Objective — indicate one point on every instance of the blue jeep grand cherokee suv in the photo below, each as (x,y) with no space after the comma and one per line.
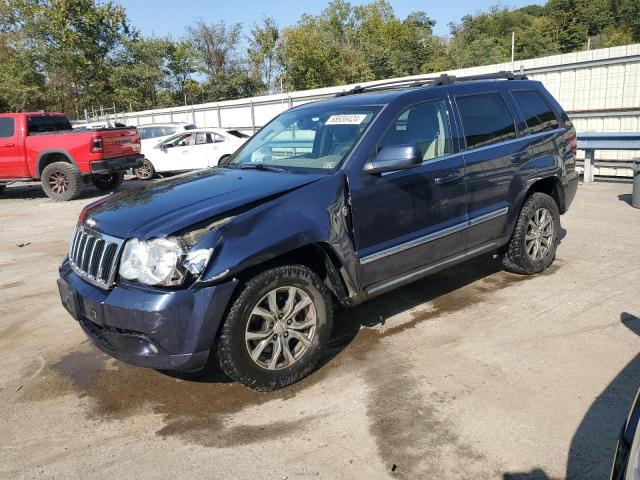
(335,201)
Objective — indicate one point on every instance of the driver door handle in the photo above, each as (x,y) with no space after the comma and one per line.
(9,145)
(450,177)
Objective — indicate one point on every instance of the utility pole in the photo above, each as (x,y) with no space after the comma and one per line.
(588,43)
(513,51)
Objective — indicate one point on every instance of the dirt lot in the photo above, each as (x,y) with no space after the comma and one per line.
(472,373)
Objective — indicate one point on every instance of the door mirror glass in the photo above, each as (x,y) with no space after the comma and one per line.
(394,157)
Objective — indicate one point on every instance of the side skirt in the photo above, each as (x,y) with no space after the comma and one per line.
(411,276)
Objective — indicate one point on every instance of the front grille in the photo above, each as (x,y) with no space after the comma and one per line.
(94,256)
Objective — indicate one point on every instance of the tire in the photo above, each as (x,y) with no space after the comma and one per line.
(109,182)
(61,181)
(233,346)
(145,171)
(522,255)
(2,187)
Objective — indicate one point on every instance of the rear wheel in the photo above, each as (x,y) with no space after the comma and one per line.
(109,182)
(145,171)
(277,328)
(532,247)
(61,181)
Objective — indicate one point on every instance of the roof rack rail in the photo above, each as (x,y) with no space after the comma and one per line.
(444,79)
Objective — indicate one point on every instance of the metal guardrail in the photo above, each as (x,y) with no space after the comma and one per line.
(590,142)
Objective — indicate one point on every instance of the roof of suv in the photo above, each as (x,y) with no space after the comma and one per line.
(384,96)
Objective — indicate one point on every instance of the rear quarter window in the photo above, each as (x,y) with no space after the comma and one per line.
(538,114)
(486,119)
(7,127)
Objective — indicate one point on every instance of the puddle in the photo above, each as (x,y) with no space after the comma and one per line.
(446,292)
(198,410)
(409,430)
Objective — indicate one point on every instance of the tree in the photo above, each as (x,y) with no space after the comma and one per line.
(72,40)
(263,53)
(140,71)
(182,63)
(220,60)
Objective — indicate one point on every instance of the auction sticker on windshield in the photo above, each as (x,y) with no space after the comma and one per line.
(354,119)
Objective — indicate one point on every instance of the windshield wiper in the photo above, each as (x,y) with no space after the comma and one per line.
(261,166)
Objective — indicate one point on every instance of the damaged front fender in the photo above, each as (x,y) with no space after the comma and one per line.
(314,216)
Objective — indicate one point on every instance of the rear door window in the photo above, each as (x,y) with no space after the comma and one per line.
(7,127)
(537,113)
(486,119)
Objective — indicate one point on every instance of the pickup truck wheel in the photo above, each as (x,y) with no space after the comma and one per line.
(61,181)
(109,182)
(145,171)
(277,328)
(532,247)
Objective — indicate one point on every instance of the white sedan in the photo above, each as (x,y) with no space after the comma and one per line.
(192,150)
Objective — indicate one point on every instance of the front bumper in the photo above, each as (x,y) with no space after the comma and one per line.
(112,165)
(165,330)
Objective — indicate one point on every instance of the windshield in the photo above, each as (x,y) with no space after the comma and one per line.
(307,139)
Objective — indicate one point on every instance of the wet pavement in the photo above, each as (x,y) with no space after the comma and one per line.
(470,373)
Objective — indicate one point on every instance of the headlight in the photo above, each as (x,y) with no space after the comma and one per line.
(153,262)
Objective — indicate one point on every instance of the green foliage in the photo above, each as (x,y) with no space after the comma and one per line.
(71,55)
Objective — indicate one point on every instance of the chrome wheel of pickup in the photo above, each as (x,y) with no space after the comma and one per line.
(539,235)
(280,328)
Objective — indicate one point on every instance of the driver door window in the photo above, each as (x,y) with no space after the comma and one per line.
(425,125)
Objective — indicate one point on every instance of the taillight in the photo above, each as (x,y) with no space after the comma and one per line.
(573,140)
(96,145)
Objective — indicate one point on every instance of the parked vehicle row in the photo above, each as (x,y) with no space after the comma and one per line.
(331,202)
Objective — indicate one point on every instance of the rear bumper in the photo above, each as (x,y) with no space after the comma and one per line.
(165,330)
(570,189)
(112,165)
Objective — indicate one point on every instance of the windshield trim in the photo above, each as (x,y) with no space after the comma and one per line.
(379,108)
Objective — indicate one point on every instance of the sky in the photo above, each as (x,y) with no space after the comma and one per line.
(168,17)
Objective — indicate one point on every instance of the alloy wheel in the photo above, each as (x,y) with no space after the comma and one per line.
(280,328)
(539,237)
(58,182)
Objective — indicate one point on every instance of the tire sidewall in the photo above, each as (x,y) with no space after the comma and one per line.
(232,344)
(534,203)
(73,179)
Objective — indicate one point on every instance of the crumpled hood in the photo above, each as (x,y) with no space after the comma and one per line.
(164,207)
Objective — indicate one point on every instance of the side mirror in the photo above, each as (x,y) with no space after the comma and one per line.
(394,157)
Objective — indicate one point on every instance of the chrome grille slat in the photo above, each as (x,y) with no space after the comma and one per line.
(94,256)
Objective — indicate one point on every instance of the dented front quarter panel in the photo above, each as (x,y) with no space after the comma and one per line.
(314,214)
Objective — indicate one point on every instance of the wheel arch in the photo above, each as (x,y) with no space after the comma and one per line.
(550,186)
(318,256)
(52,156)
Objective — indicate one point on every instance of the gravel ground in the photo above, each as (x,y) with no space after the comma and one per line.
(471,373)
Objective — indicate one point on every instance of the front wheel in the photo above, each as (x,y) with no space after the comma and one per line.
(532,247)
(277,328)
(108,182)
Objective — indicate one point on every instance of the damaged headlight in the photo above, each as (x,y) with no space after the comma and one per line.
(161,261)
(153,262)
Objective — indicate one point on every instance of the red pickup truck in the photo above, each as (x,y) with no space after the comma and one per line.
(43,146)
